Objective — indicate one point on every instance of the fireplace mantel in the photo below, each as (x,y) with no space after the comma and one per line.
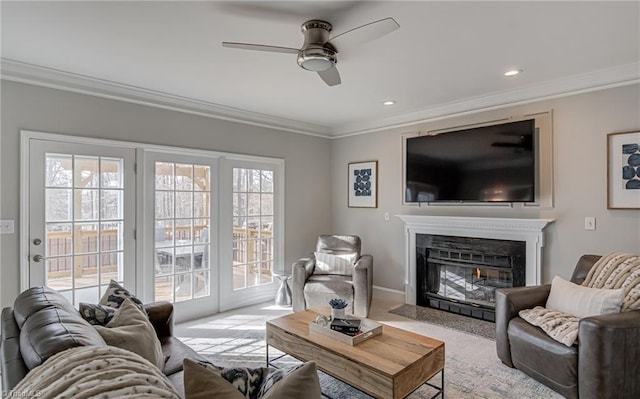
(527,230)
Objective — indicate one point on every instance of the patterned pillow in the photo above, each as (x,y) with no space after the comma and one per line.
(327,263)
(116,294)
(96,315)
(299,381)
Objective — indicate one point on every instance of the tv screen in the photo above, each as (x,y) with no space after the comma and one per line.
(484,164)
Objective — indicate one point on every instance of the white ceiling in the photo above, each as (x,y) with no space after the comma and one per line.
(446,58)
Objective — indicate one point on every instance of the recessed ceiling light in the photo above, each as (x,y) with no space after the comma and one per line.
(512,72)
(388,102)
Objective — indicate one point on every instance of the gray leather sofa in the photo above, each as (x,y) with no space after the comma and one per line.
(605,364)
(42,323)
(310,288)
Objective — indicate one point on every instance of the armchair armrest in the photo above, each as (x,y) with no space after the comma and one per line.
(608,356)
(509,301)
(362,285)
(161,317)
(300,272)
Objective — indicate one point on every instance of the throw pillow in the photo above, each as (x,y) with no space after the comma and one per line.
(580,301)
(203,380)
(130,329)
(327,263)
(97,315)
(302,383)
(116,294)
(559,326)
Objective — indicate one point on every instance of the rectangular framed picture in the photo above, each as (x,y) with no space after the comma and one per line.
(623,170)
(363,184)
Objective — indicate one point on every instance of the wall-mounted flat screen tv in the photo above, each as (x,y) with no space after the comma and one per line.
(483,164)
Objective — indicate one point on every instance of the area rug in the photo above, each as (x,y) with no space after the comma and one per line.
(452,321)
(472,369)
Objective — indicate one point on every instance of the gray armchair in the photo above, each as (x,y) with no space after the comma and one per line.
(314,283)
(603,365)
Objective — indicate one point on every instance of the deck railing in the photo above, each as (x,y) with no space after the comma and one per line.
(249,247)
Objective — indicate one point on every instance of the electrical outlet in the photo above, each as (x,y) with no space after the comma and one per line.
(6,226)
(589,223)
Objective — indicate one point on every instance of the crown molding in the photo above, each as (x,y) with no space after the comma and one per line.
(621,75)
(23,72)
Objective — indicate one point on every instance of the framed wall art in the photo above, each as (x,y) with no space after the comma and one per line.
(363,184)
(623,170)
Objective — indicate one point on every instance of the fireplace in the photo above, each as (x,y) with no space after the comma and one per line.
(528,231)
(461,274)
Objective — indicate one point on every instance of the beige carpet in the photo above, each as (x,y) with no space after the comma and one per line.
(472,369)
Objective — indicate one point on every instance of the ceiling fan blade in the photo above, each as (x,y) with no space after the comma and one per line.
(331,76)
(364,33)
(260,47)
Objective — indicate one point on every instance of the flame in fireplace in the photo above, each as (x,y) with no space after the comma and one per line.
(477,272)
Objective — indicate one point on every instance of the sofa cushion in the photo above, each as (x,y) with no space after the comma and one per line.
(540,357)
(341,286)
(331,263)
(580,301)
(50,324)
(130,329)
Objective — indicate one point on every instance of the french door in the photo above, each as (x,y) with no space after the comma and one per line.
(200,229)
(181,211)
(81,218)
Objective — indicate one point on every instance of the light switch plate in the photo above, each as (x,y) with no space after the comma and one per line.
(589,223)
(6,227)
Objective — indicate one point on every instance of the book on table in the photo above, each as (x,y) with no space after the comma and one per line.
(346,326)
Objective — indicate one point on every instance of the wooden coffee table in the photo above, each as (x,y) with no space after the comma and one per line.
(390,365)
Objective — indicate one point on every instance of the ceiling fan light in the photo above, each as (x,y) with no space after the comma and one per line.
(316,59)
(316,64)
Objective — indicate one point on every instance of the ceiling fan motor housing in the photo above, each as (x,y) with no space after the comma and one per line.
(316,53)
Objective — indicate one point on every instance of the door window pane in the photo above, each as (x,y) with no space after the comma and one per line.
(58,204)
(83,253)
(85,172)
(252,234)
(182,212)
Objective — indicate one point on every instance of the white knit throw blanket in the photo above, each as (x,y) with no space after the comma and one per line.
(615,270)
(618,270)
(95,372)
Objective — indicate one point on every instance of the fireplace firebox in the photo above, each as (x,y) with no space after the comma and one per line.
(461,274)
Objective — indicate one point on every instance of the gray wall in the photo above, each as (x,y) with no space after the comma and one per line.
(580,125)
(307,200)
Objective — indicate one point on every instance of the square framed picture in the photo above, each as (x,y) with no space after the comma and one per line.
(363,184)
(623,170)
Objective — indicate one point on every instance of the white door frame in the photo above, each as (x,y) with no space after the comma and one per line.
(224,227)
(25,169)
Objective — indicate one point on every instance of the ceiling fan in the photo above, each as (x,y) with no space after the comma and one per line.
(319,50)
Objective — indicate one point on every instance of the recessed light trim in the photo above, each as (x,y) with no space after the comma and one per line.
(512,72)
(389,102)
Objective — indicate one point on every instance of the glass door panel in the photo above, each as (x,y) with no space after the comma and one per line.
(182,224)
(77,242)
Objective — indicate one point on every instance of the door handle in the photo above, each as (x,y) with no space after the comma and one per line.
(37,258)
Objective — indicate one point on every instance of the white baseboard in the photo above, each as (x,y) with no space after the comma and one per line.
(388,294)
